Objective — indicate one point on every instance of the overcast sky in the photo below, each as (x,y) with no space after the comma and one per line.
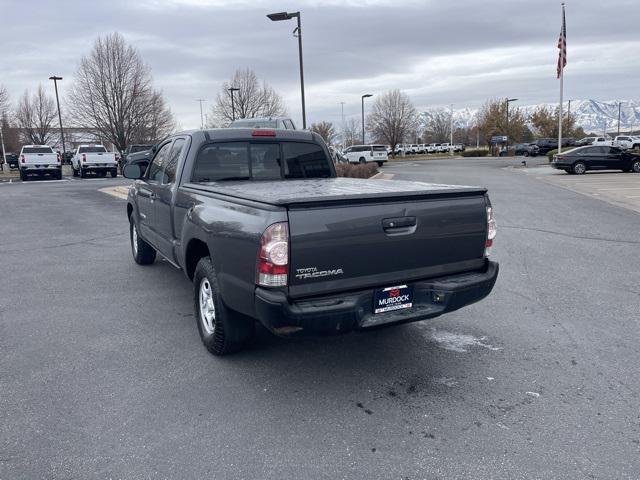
(439,52)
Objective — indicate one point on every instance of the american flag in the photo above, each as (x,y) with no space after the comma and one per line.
(562,46)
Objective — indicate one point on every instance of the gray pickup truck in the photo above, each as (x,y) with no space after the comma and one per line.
(260,224)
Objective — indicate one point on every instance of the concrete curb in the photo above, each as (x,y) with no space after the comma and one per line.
(382,176)
(118,192)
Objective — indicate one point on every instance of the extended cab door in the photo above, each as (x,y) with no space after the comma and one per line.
(165,191)
(148,191)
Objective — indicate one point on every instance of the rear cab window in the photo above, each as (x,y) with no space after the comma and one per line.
(95,149)
(37,150)
(244,160)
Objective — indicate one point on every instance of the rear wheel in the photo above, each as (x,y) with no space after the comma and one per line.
(579,168)
(222,330)
(23,175)
(362,160)
(635,166)
(82,172)
(114,173)
(59,174)
(143,253)
(380,163)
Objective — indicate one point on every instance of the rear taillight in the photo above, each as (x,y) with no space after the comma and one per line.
(84,157)
(263,133)
(22,158)
(58,158)
(272,265)
(492,229)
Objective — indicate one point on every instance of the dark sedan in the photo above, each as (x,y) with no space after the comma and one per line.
(581,159)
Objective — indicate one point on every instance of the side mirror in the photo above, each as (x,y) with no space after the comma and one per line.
(132,171)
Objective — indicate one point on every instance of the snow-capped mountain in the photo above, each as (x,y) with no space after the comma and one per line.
(592,115)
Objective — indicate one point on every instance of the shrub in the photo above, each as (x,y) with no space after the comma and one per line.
(551,153)
(356,170)
(475,152)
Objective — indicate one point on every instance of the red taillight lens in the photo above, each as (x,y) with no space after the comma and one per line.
(22,158)
(492,229)
(58,158)
(272,265)
(84,157)
(263,133)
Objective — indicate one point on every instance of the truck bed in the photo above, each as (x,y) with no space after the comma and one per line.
(299,193)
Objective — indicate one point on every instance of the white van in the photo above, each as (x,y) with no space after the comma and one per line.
(367,153)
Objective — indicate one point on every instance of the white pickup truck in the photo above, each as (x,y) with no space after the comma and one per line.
(626,142)
(94,158)
(39,160)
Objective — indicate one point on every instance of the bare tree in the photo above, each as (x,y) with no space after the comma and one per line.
(351,132)
(437,127)
(393,118)
(325,130)
(35,115)
(492,121)
(112,93)
(249,101)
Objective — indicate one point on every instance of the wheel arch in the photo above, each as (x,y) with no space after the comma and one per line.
(195,250)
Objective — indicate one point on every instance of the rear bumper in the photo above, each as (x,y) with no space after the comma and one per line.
(354,310)
(98,167)
(560,165)
(40,168)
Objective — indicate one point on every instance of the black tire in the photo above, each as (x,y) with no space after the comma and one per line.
(23,175)
(114,173)
(143,253)
(229,331)
(361,160)
(526,154)
(380,163)
(75,172)
(635,166)
(579,168)
(82,172)
(59,174)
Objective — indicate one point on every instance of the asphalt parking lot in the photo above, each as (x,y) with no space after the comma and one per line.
(102,374)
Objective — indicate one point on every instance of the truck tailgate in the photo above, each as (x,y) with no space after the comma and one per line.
(40,158)
(99,158)
(341,247)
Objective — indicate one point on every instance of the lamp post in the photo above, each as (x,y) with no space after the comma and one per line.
(451,131)
(509,100)
(55,84)
(297,32)
(233,107)
(200,100)
(619,103)
(366,95)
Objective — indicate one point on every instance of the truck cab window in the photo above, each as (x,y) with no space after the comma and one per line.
(158,164)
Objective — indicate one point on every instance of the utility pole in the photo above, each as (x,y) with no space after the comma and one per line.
(619,103)
(451,131)
(366,95)
(55,84)
(342,118)
(201,115)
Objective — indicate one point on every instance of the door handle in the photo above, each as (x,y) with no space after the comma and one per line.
(399,225)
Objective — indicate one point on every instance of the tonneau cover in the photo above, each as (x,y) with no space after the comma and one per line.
(330,190)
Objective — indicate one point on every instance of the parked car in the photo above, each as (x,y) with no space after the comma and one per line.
(626,142)
(276,122)
(433,148)
(542,146)
(39,160)
(400,149)
(259,223)
(95,159)
(367,153)
(459,147)
(445,148)
(134,148)
(596,157)
(521,149)
(12,160)
(585,141)
(603,142)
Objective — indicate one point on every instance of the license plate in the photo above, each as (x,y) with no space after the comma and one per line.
(393,298)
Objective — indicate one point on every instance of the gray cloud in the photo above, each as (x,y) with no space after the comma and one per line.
(439,52)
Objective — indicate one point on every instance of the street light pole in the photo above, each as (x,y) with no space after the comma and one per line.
(451,131)
(55,84)
(366,95)
(276,17)
(233,107)
(201,115)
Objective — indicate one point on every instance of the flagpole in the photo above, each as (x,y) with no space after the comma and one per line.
(561,87)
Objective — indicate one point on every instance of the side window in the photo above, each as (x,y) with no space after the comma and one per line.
(172,163)
(158,164)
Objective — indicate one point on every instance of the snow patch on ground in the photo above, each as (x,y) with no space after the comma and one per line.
(455,342)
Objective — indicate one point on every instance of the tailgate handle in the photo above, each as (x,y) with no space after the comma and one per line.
(399,225)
